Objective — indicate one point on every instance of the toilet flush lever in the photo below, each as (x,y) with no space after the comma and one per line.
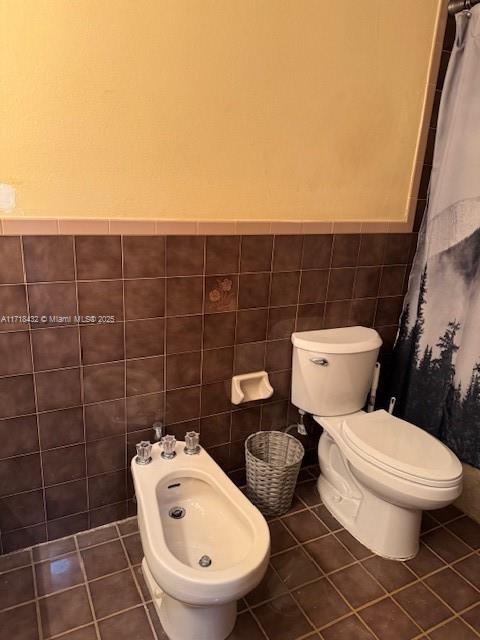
(321,362)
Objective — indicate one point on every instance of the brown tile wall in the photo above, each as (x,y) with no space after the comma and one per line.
(188,313)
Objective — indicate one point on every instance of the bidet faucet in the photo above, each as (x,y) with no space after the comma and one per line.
(158,430)
(168,443)
(192,446)
(144,450)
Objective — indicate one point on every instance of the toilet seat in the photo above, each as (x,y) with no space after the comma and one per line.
(400,448)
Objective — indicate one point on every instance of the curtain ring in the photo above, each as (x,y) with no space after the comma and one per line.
(467,8)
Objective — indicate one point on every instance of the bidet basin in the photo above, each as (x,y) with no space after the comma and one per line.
(205,544)
(190,510)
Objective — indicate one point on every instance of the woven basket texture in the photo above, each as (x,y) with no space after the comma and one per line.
(273,462)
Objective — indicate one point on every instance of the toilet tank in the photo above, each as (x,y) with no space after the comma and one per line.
(332,369)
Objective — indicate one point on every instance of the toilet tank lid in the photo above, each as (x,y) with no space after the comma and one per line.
(341,340)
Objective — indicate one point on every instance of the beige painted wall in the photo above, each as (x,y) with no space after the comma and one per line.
(259,109)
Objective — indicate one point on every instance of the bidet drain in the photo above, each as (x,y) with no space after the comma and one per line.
(176,513)
(205,561)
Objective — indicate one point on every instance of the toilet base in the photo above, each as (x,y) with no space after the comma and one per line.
(386,529)
(182,621)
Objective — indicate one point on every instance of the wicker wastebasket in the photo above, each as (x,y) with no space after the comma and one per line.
(273,462)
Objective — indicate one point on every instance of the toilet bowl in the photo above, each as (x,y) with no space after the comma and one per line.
(205,544)
(377,472)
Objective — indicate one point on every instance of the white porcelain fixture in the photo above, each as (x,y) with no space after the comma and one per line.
(377,472)
(205,544)
(247,387)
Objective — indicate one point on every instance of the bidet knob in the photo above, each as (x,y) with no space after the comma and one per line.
(192,446)
(168,443)
(144,450)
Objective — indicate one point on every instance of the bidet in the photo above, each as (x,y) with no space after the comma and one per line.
(194,569)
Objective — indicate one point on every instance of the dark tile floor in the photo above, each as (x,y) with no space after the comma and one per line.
(321,583)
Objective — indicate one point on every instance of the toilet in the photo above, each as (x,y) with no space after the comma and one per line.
(377,472)
(205,544)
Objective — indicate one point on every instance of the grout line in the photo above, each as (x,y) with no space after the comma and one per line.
(355,271)
(458,616)
(65,634)
(164,341)
(132,572)
(252,613)
(445,566)
(37,371)
(68,482)
(73,586)
(467,610)
(89,595)
(20,566)
(461,557)
(34,385)
(299,286)
(82,385)
(380,268)
(202,329)
(455,570)
(124,399)
(329,268)
(89,365)
(94,622)
(301,227)
(117,613)
(270,281)
(35,593)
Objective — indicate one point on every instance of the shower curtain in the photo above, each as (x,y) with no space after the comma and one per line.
(436,375)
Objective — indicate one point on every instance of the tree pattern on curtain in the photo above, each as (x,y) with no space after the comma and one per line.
(432,398)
